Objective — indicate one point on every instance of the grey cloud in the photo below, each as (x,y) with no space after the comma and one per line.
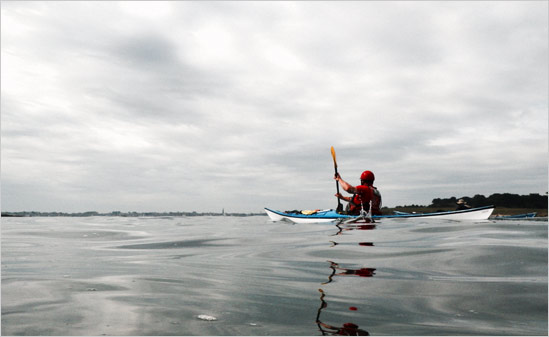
(147,51)
(236,104)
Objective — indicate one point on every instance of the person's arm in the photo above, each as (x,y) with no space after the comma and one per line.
(342,197)
(345,185)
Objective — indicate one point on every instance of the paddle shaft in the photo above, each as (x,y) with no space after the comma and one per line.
(337,182)
(339,205)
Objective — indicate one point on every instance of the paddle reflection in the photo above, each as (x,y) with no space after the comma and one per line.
(347,329)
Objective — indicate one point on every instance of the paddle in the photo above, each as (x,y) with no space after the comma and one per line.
(339,205)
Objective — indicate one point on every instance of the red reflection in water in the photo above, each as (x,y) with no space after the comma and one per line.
(365,227)
(362,272)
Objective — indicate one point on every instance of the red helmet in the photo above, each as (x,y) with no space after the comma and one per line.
(367,175)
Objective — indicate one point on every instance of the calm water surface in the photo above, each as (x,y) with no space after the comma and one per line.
(158,276)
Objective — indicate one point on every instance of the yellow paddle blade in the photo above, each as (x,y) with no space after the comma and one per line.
(334,156)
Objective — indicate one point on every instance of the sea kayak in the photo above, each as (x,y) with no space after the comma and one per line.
(330,215)
(517,216)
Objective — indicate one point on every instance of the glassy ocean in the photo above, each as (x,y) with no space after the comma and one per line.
(226,275)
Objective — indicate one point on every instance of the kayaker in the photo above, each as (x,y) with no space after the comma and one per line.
(462,204)
(361,194)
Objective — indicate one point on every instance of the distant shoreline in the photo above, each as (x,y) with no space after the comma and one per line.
(123,214)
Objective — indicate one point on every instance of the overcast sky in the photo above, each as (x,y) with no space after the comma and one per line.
(181,106)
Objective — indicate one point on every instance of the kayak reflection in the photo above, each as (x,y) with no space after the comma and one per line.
(350,227)
(362,272)
(347,329)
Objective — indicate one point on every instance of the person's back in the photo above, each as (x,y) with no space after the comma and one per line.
(461,205)
(361,200)
(363,194)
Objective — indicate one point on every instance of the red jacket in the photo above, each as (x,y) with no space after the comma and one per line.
(362,199)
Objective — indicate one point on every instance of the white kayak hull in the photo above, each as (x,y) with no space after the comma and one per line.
(330,216)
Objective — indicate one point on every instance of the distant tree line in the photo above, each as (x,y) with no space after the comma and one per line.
(532,200)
